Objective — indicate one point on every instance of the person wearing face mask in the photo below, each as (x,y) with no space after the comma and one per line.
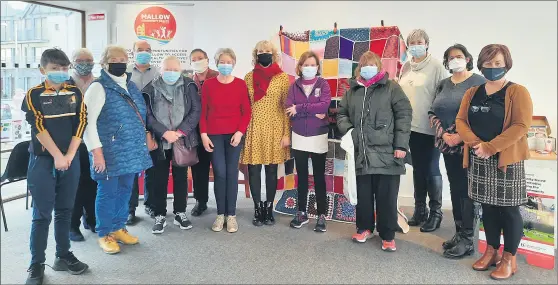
(420,76)
(268,136)
(493,121)
(225,116)
(311,95)
(141,73)
(173,112)
(200,171)
(442,114)
(84,207)
(378,114)
(116,139)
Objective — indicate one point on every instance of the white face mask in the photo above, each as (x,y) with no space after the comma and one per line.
(200,66)
(457,64)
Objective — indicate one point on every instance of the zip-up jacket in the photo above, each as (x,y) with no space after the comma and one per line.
(305,122)
(380,116)
(60,113)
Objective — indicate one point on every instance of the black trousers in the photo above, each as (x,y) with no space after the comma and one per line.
(160,183)
(318,169)
(200,175)
(426,164)
(84,204)
(147,190)
(457,176)
(497,219)
(255,181)
(382,190)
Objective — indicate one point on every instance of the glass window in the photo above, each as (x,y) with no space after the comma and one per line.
(38,29)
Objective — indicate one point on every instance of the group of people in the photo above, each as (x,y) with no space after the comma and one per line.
(138,117)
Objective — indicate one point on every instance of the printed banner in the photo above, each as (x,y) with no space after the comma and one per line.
(168,28)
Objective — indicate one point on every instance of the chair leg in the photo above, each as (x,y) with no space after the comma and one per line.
(3,214)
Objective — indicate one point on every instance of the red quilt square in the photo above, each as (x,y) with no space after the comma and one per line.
(332,86)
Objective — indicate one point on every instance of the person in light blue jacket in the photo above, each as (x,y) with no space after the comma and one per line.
(116,139)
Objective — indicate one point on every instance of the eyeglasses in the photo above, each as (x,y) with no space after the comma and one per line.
(484,109)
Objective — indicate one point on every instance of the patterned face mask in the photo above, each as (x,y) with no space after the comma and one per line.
(84,68)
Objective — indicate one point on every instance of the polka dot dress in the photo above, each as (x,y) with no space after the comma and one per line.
(269,123)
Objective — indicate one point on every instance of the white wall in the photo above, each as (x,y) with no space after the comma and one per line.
(527,28)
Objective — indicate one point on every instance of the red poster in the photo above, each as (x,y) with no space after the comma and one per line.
(156,24)
(96,17)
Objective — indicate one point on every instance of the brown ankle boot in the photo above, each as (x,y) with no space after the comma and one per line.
(490,258)
(506,268)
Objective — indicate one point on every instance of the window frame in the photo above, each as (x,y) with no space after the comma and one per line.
(83,21)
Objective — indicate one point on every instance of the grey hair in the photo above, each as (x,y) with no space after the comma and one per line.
(137,42)
(81,51)
(225,51)
(170,58)
(418,34)
(110,51)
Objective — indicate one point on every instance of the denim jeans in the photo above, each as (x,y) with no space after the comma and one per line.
(51,189)
(225,169)
(111,205)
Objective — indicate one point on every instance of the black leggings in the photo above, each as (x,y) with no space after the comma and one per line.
(426,164)
(318,171)
(508,219)
(255,181)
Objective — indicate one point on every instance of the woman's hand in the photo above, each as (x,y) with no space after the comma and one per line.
(171,136)
(291,111)
(285,142)
(448,139)
(399,153)
(207,144)
(456,139)
(61,163)
(235,140)
(320,116)
(481,151)
(99,164)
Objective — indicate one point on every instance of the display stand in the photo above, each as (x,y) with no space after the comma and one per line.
(539,223)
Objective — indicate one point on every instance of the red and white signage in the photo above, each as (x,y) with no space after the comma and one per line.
(96,17)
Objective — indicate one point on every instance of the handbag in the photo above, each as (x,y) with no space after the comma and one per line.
(149,139)
(182,156)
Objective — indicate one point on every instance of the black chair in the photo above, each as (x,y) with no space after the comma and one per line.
(16,170)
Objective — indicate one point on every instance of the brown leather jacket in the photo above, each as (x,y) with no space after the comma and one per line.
(210,74)
(512,142)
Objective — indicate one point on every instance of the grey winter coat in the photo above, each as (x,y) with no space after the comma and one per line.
(381,117)
(189,115)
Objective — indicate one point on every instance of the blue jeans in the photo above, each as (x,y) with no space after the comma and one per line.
(51,189)
(111,205)
(225,170)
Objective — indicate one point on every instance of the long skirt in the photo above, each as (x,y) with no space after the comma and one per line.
(490,185)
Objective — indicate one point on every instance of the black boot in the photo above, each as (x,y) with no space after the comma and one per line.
(198,209)
(434,187)
(258,215)
(465,246)
(453,241)
(420,215)
(269,219)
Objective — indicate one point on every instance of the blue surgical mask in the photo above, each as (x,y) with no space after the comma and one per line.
(309,72)
(368,72)
(225,69)
(170,77)
(143,57)
(417,51)
(58,77)
(494,74)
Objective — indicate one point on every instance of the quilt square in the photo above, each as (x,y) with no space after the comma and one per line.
(332,48)
(287,45)
(339,167)
(321,35)
(345,68)
(312,206)
(356,34)
(383,32)
(390,65)
(342,87)
(378,47)
(392,47)
(346,48)
(332,86)
(318,48)
(343,210)
(338,184)
(303,36)
(359,49)
(330,68)
(329,183)
(300,48)
(288,64)
(287,204)
(329,167)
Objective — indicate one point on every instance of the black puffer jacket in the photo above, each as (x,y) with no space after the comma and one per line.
(381,117)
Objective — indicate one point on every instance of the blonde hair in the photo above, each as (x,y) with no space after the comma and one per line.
(110,51)
(417,35)
(225,51)
(368,58)
(81,51)
(262,45)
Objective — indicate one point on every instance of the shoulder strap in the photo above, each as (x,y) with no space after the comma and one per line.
(135,107)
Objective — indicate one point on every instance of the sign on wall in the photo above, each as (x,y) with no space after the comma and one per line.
(167,28)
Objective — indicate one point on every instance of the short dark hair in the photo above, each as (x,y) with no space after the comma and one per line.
(490,51)
(54,56)
(465,52)
(198,50)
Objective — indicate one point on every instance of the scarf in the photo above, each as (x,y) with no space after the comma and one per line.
(373,80)
(262,77)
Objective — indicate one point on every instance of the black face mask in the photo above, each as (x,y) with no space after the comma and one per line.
(265,59)
(117,68)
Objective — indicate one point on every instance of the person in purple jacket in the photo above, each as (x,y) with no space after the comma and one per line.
(307,105)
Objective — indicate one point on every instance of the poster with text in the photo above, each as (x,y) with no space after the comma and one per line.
(167,28)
